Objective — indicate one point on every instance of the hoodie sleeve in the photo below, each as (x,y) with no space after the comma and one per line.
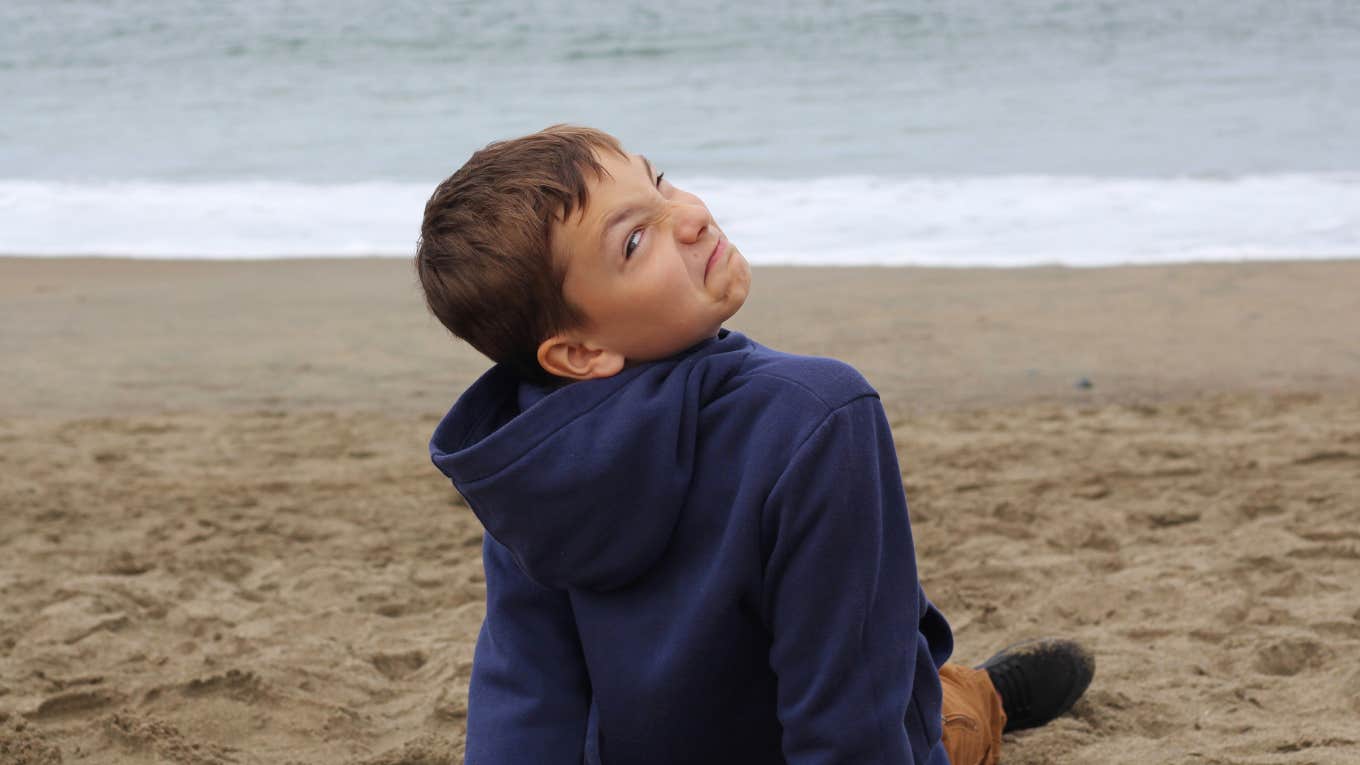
(841,594)
(530,694)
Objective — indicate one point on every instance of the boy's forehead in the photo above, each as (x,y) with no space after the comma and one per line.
(618,179)
(610,194)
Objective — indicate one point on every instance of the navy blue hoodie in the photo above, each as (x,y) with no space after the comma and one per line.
(705,559)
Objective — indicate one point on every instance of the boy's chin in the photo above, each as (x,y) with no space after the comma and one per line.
(737,303)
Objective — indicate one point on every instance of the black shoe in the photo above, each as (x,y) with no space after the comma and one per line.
(1039,679)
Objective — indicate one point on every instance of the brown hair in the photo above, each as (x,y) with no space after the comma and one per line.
(484,257)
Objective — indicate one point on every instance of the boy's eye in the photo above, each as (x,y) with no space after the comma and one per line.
(634,239)
(658,179)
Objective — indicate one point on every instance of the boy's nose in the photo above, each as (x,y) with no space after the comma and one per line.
(691,222)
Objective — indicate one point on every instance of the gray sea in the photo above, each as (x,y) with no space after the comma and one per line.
(966,132)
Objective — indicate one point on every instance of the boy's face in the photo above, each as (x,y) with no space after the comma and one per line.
(647,265)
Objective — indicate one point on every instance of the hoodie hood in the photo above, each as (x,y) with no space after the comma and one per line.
(584,484)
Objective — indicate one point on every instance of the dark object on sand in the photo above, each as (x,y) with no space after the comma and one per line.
(1039,680)
(1085,384)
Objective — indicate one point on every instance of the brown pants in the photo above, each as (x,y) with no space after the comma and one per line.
(973,718)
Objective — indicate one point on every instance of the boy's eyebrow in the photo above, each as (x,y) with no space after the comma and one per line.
(623,213)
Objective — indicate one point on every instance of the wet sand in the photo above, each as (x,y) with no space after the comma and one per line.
(221,540)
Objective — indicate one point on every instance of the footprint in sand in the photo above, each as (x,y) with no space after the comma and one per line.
(73,703)
(395,666)
(1291,656)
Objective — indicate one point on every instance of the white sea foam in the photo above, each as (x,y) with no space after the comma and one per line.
(1006,221)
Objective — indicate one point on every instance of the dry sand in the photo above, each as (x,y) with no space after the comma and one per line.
(221,540)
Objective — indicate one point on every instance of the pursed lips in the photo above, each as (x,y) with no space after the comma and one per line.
(719,250)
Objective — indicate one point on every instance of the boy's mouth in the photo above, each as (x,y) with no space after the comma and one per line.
(719,250)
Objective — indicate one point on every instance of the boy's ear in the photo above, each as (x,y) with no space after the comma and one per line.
(576,359)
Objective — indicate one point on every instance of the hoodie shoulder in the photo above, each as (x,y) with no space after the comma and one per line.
(586,485)
(805,379)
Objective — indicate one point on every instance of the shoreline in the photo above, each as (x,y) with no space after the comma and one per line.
(324,256)
(95,335)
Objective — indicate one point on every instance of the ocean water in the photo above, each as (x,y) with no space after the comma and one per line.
(1006,132)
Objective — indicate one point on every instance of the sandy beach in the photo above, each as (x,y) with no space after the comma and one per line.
(222,541)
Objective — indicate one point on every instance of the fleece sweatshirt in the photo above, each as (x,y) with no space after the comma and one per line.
(705,559)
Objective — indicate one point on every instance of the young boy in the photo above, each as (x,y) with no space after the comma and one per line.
(697,548)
